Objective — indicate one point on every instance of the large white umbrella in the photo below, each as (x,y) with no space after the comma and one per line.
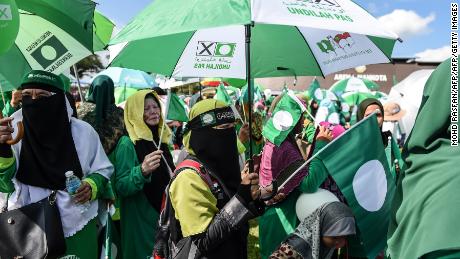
(408,94)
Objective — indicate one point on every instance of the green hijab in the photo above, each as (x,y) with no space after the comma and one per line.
(101,93)
(366,103)
(426,209)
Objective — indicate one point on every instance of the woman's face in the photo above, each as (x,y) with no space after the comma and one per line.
(334,242)
(151,112)
(370,109)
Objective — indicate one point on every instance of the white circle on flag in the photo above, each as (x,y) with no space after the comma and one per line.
(319,94)
(282,120)
(225,49)
(49,52)
(370,185)
(334,118)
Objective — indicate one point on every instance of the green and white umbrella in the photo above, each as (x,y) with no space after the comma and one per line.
(329,111)
(252,39)
(208,38)
(354,84)
(355,98)
(322,94)
(53,35)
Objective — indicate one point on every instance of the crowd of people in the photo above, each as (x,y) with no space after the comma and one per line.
(198,206)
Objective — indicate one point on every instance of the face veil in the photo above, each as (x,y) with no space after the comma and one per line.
(47,149)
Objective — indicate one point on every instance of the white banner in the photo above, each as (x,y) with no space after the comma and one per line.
(216,52)
(339,50)
(341,15)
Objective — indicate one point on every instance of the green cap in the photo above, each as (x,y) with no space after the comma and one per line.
(44,78)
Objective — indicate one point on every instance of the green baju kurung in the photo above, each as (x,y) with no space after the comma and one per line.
(138,217)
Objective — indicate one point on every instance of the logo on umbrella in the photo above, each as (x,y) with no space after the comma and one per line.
(5,12)
(50,51)
(215,49)
(333,43)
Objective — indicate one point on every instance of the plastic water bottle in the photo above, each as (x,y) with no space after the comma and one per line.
(72,184)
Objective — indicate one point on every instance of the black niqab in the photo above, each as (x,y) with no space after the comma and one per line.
(47,149)
(217,149)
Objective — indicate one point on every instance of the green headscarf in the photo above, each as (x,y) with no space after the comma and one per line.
(101,93)
(426,209)
(364,104)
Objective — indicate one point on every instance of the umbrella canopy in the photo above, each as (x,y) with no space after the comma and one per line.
(53,35)
(355,98)
(354,84)
(103,29)
(130,78)
(307,38)
(322,94)
(328,111)
(408,94)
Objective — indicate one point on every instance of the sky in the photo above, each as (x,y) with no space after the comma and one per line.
(423,25)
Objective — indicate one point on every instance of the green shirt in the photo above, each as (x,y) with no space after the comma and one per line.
(138,217)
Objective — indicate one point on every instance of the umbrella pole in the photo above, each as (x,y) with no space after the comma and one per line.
(78,83)
(248,78)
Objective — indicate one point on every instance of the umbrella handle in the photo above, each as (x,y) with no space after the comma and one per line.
(20,134)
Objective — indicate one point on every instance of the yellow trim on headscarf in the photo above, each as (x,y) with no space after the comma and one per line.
(199,108)
(134,118)
(194,204)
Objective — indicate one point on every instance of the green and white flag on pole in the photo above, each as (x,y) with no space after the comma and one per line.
(175,108)
(285,116)
(314,91)
(222,95)
(358,164)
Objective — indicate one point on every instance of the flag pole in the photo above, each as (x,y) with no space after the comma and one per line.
(168,100)
(78,83)
(248,78)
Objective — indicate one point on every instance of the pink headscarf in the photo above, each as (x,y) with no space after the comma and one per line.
(336,129)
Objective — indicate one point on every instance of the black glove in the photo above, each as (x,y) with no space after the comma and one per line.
(244,194)
(161,247)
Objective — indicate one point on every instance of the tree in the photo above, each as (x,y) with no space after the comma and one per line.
(90,64)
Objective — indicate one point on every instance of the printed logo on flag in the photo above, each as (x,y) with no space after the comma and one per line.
(50,51)
(5,12)
(215,49)
(282,120)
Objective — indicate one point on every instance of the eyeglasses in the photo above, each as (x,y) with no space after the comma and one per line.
(37,95)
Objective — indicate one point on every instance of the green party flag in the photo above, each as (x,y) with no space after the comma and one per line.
(284,118)
(122,93)
(312,90)
(222,95)
(256,93)
(175,109)
(357,162)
